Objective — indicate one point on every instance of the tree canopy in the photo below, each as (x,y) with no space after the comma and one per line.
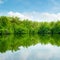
(15,25)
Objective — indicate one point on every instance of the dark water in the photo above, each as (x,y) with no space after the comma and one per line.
(30,47)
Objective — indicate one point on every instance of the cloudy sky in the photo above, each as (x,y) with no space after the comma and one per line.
(36,10)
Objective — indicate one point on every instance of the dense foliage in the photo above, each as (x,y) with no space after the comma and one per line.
(15,25)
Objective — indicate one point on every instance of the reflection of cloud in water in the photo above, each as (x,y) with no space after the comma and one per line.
(37,52)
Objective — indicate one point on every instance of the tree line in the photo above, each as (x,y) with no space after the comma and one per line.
(15,25)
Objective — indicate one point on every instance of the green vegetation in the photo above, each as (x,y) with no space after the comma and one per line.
(13,42)
(15,25)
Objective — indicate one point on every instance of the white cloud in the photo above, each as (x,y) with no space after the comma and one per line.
(36,16)
(16,14)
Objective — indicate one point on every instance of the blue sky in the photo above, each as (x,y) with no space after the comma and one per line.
(47,9)
(52,6)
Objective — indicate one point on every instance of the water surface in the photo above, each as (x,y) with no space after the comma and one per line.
(30,47)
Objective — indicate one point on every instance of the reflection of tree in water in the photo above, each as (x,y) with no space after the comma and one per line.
(13,42)
(52,39)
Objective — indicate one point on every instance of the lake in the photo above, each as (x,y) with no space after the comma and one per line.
(30,47)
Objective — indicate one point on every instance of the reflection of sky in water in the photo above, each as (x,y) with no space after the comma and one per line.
(37,52)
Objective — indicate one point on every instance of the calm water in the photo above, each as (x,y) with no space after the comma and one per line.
(30,47)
